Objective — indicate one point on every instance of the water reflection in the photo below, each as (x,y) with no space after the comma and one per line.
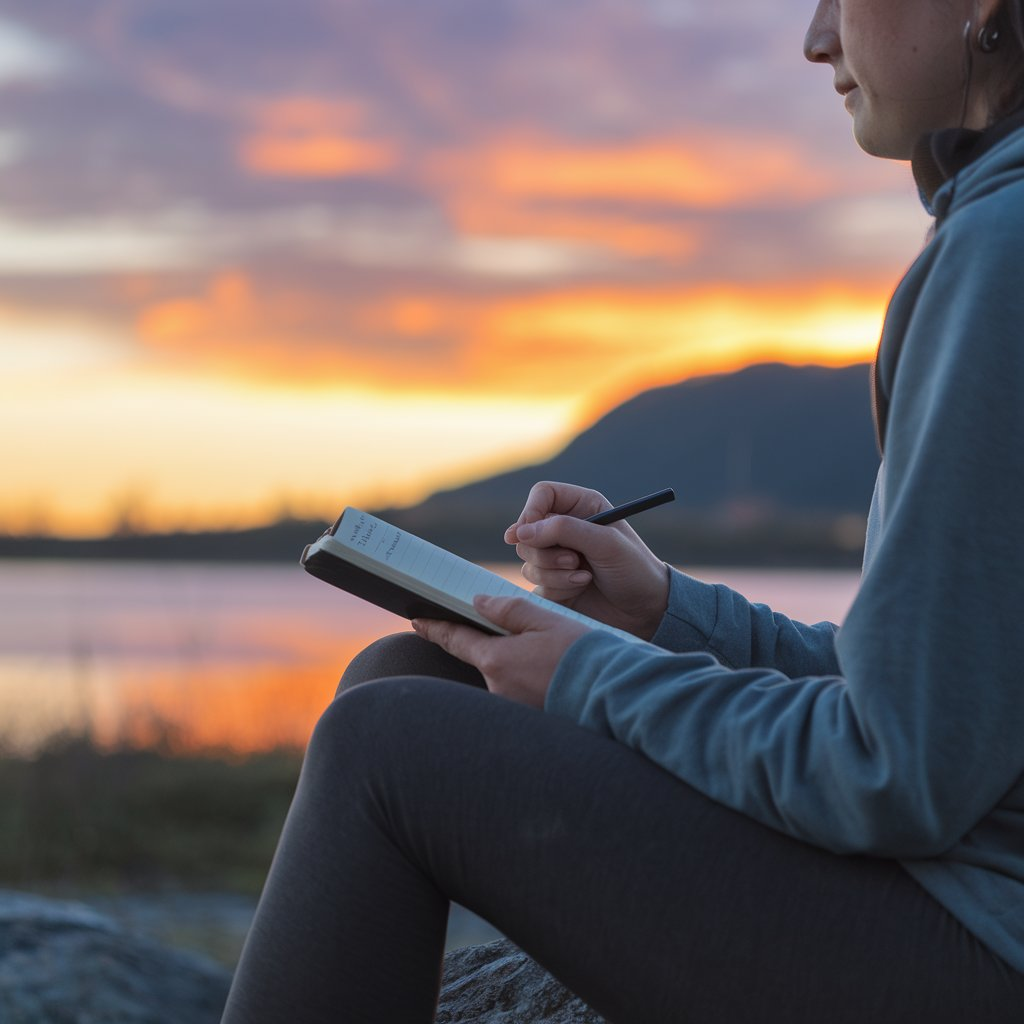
(198,656)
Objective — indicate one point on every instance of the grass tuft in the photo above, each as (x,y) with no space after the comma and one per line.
(79,814)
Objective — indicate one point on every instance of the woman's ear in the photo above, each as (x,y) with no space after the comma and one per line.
(992,59)
(985,28)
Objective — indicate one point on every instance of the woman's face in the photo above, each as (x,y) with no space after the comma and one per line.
(900,64)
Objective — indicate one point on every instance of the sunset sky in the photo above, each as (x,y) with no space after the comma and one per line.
(263,257)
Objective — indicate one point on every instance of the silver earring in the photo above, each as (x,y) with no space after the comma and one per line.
(988,38)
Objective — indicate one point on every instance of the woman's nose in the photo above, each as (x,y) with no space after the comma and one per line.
(821,44)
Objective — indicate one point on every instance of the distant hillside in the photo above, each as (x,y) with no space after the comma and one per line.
(772,464)
(766,451)
(279,542)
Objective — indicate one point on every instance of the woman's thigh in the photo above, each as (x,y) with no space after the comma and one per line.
(650,901)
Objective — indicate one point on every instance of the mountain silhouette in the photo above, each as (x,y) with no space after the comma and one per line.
(770,439)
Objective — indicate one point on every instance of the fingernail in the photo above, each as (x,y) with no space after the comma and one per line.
(526,531)
(579,577)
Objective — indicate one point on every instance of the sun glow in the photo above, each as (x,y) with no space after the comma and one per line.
(156,451)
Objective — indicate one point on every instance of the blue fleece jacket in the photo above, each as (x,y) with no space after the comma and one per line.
(900,735)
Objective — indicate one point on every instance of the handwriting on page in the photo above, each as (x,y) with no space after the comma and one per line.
(375,537)
(363,530)
(371,535)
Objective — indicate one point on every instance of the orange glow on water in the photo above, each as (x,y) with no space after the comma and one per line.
(230,658)
(190,656)
(239,708)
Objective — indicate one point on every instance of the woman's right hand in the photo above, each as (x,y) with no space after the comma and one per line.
(606,572)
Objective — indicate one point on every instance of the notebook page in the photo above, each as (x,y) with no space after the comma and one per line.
(409,555)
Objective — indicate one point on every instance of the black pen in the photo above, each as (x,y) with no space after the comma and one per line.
(613,515)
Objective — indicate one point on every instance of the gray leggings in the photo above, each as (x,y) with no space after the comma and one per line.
(649,901)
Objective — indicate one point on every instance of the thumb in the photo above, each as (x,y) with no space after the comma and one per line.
(516,614)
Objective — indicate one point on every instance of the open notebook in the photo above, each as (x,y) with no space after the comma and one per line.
(403,573)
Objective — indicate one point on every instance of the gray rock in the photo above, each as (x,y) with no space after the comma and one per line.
(63,963)
(498,983)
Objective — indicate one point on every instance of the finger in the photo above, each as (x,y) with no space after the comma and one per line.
(552,498)
(572,581)
(548,558)
(462,642)
(516,614)
(560,595)
(568,533)
(539,502)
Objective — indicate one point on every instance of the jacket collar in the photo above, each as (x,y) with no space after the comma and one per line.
(940,156)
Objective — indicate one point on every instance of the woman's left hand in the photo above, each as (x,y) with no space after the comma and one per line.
(518,666)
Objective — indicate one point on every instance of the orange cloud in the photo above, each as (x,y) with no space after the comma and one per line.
(599,337)
(412,316)
(307,137)
(707,172)
(703,326)
(315,156)
(485,216)
(615,342)
(287,333)
(308,113)
(224,308)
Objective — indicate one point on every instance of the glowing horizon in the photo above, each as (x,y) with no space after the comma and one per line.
(180,464)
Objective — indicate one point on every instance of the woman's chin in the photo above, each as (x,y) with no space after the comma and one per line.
(885,145)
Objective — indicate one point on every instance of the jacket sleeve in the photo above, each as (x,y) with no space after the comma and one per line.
(740,634)
(917,734)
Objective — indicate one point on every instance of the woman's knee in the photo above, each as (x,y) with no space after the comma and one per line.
(405,654)
(350,726)
(384,657)
(378,723)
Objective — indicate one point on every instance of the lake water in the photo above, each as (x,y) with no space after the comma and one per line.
(240,657)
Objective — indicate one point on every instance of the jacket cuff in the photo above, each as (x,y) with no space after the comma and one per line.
(575,674)
(692,613)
